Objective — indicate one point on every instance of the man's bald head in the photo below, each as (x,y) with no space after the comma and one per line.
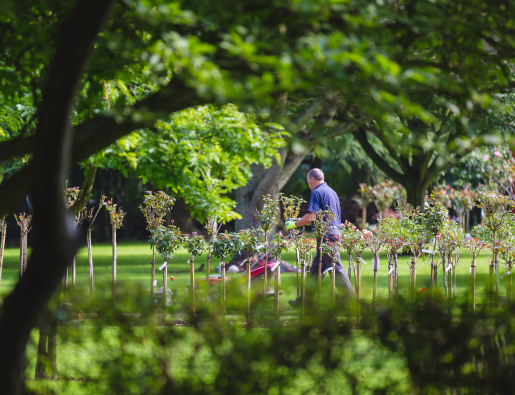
(317,174)
(315,178)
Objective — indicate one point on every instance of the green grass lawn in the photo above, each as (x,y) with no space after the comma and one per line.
(133,271)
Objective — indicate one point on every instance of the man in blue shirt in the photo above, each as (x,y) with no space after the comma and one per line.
(322,197)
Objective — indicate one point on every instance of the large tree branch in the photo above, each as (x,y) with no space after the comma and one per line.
(292,163)
(345,128)
(299,121)
(401,161)
(361,136)
(85,191)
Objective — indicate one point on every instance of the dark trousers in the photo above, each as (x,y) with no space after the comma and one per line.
(342,281)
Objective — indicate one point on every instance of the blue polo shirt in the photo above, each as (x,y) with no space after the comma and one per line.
(323,197)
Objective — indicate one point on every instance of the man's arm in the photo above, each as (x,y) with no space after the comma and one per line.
(305,220)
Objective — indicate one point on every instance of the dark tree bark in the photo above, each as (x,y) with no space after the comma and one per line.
(54,235)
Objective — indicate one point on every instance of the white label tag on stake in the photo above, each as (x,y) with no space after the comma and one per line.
(504,275)
(470,269)
(362,260)
(427,251)
(390,271)
(448,267)
(163,265)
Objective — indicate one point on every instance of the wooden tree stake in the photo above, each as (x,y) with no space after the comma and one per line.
(248,287)
(276,289)
(114,263)
(473,273)
(192,277)
(74,270)
(222,291)
(3,231)
(165,289)
(297,261)
(375,280)
(413,278)
(303,286)
(208,269)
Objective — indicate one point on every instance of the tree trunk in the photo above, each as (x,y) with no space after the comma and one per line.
(42,360)
(192,284)
(416,191)
(74,270)
(53,237)
(114,263)
(248,279)
(374,292)
(264,181)
(21,253)
(90,259)
(473,277)
(52,348)
(208,269)
(2,247)
(165,290)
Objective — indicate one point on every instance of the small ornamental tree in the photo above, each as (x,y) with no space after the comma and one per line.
(495,209)
(166,239)
(267,218)
(91,214)
(474,246)
(435,218)
(307,245)
(70,197)
(383,195)
(116,215)
(363,199)
(508,252)
(23,221)
(412,230)
(154,208)
(212,230)
(450,242)
(195,245)
(251,242)
(291,209)
(75,200)
(464,200)
(443,195)
(322,223)
(390,227)
(225,245)
(278,245)
(358,246)
(349,238)
(291,205)
(374,241)
(3,232)
(413,234)
(332,248)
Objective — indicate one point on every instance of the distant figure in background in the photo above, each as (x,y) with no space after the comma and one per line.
(321,198)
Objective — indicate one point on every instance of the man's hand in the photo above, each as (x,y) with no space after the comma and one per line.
(290,223)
